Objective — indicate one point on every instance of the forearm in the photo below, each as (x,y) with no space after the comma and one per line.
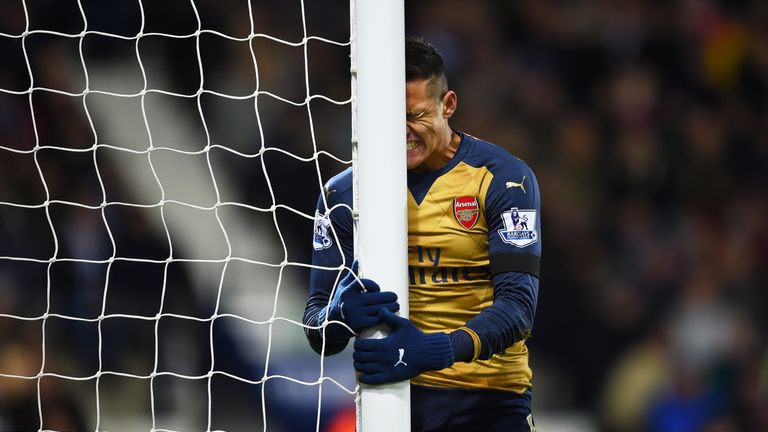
(325,317)
(336,336)
(508,320)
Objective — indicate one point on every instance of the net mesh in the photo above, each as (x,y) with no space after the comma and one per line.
(159,165)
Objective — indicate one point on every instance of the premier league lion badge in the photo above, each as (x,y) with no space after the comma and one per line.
(322,238)
(519,227)
(467,211)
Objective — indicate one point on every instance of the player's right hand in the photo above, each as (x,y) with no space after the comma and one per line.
(403,354)
(357,302)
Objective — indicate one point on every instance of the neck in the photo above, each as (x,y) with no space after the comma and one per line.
(454,140)
(453,144)
(447,152)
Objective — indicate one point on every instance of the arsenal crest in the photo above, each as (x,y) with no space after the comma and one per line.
(466,210)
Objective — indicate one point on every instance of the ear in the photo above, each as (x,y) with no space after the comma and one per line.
(449,102)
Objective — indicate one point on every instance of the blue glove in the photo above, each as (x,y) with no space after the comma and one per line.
(402,355)
(356,308)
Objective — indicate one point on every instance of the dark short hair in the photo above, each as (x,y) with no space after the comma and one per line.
(423,62)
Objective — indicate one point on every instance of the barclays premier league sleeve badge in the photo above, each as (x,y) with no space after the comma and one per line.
(519,227)
(321,239)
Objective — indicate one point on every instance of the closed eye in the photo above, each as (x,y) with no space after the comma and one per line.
(413,117)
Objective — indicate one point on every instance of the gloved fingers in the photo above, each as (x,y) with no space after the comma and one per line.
(375,378)
(394,307)
(372,345)
(364,356)
(371,313)
(378,298)
(366,322)
(393,320)
(366,367)
(374,312)
(369,285)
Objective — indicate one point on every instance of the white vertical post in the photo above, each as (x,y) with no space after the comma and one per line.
(378,83)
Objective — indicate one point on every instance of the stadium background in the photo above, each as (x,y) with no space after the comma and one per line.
(645,121)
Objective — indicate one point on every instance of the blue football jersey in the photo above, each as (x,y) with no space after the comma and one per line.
(474,247)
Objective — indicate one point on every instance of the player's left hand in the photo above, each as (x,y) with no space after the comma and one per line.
(403,354)
(359,309)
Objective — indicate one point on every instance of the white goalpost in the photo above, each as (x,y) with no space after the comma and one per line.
(157,190)
(380,168)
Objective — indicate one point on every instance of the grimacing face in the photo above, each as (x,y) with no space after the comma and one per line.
(428,133)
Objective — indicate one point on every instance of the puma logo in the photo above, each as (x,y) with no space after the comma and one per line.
(521,185)
(400,360)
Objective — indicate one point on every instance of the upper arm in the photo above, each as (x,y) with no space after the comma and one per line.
(332,248)
(332,240)
(513,213)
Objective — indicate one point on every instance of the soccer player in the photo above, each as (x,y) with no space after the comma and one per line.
(474,244)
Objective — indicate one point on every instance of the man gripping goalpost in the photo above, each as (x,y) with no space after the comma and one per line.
(473,271)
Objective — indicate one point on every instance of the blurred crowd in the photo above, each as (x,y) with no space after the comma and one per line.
(646,123)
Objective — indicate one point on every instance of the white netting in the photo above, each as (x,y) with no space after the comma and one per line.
(159,165)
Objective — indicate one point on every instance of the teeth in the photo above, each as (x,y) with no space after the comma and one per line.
(410,145)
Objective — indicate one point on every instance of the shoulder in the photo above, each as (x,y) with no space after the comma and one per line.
(498,160)
(341,182)
(339,187)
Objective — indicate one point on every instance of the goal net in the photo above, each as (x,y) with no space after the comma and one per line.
(159,167)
